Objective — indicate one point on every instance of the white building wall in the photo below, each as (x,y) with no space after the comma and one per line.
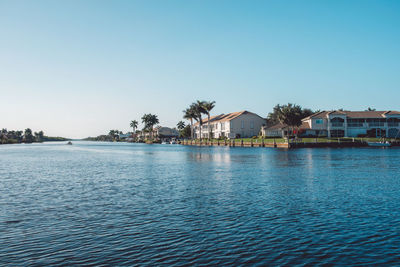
(246,125)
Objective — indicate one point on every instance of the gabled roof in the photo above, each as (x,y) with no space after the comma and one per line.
(321,114)
(226,117)
(354,114)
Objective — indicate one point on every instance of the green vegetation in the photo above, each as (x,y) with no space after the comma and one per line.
(207,107)
(184,130)
(112,136)
(290,115)
(190,115)
(149,120)
(134,125)
(16,137)
(195,112)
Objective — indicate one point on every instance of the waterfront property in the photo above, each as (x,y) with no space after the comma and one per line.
(232,125)
(159,132)
(343,124)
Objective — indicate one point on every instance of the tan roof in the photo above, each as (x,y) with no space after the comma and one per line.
(354,114)
(226,117)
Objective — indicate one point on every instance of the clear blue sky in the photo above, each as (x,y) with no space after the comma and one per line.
(81,68)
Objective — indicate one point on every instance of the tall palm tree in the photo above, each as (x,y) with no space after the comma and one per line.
(134,125)
(208,106)
(189,114)
(199,110)
(149,120)
(145,121)
(153,121)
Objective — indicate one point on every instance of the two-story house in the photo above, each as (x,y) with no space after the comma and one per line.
(340,123)
(232,125)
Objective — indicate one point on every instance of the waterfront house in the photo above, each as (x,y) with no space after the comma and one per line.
(166,132)
(281,130)
(340,123)
(232,125)
(160,132)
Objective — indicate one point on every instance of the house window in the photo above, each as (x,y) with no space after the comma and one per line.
(393,122)
(319,121)
(222,126)
(354,123)
(242,126)
(376,122)
(252,125)
(337,122)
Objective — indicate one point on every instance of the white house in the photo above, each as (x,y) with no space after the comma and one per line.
(232,125)
(345,124)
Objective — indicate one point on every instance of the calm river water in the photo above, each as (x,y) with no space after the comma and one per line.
(136,204)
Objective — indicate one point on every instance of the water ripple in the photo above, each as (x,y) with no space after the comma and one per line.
(128,204)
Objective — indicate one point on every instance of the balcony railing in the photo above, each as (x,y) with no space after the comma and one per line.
(376,124)
(355,125)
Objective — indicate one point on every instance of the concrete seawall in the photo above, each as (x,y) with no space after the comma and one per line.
(231,143)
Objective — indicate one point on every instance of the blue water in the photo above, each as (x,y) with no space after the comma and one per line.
(136,204)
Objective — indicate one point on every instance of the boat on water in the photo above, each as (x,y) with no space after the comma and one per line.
(69,143)
(379,144)
(173,141)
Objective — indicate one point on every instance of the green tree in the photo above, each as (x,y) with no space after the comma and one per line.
(180,125)
(185,132)
(272,117)
(190,115)
(149,120)
(199,110)
(28,136)
(291,115)
(208,106)
(134,125)
(113,134)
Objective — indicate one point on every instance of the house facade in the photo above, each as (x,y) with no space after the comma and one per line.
(241,124)
(345,124)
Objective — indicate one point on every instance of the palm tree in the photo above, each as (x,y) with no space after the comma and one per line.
(180,125)
(134,125)
(28,137)
(113,134)
(208,106)
(149,120)
(189,114)
(199,110)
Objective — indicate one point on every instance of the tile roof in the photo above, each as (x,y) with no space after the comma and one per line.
(354,114)
(225,117)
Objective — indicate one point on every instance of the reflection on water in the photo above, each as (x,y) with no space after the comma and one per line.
(135,204)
